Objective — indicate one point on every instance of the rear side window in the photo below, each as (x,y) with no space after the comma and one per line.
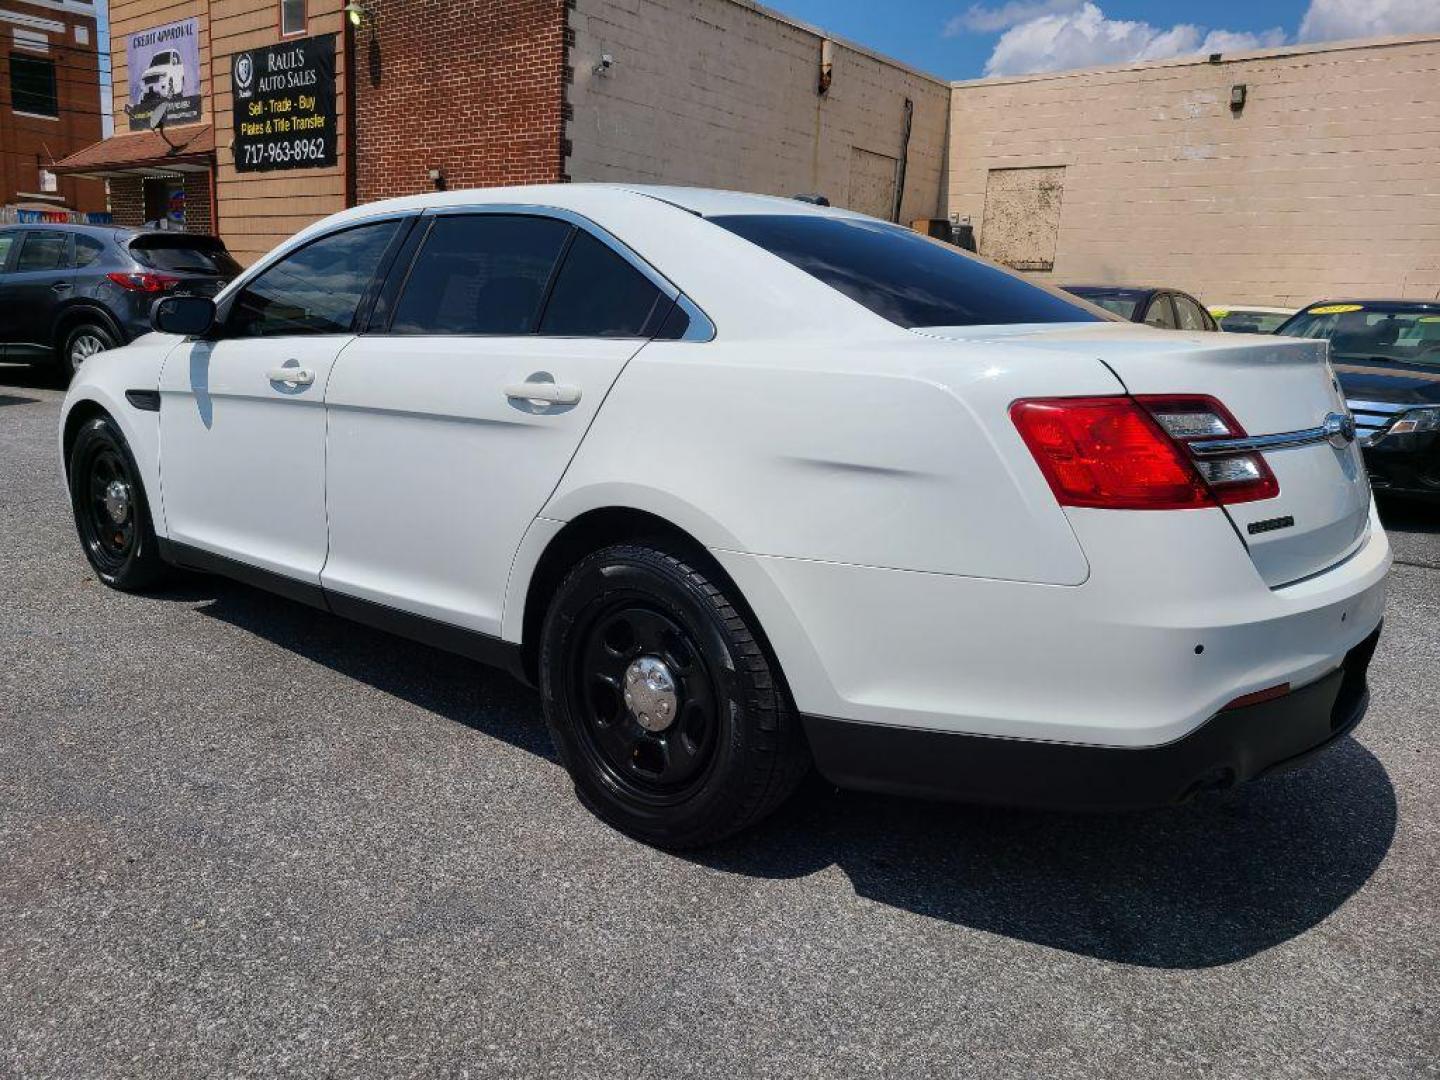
(480,274)
(87,250)
(598,294)
(186,254)
(315,290)
(7,241)
(43,251)
(1188,313)
(909,279)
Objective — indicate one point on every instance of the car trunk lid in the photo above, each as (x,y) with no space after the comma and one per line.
(1272,386)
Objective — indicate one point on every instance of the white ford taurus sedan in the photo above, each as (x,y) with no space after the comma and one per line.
(744,484)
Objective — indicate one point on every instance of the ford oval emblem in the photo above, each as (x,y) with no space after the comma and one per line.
(1339,429)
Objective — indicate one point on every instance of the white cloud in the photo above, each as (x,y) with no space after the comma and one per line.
(979,19)
(1335,20)
(1086,38)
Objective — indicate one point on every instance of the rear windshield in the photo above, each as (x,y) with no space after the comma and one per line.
(902,276)
(1124,304)
(1375,333)
(195,254)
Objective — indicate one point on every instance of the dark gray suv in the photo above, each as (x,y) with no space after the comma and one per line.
(70,291)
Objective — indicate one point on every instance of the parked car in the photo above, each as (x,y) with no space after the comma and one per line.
(742,483)
(1249,318)
(1386,354)
(1167,309)
(164,77)
(68,292)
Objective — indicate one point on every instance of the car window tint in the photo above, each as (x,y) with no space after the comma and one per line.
(1159,313)
(480,274)
(315,290)
(87,250)
(43,251)
(598,294)
(902,276)
(197,254)
(1188,313)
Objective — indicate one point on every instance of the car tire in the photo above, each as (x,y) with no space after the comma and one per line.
(81,342)
(112,515)
(709,743)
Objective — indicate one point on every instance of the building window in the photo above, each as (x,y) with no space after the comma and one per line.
(49,183)
(32,86)
(292,17)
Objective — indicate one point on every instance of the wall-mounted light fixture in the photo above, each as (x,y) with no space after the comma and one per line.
(437,179)
(357,12)
(1237,97)
(604,64)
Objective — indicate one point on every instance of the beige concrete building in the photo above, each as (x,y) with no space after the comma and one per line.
(1275,176)
(726,93)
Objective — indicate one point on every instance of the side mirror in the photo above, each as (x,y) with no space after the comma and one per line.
(189,316)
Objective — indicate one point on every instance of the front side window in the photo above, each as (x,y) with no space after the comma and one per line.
(315,290)
(43,251)
(901,276)
(32,86)
(480,274)
(292,17)
(598,294)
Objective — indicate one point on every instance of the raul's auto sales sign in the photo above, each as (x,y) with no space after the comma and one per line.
(285,105)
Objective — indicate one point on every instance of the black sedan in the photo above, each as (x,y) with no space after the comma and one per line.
(1386,354)
(1169,309)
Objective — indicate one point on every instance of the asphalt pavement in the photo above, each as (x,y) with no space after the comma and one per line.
(241,837)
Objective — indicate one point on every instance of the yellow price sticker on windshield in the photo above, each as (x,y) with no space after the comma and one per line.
(1335,309)
(1219,312)
(1428,318)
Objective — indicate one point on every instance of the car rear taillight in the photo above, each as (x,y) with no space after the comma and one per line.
(1124,453)
(144,281)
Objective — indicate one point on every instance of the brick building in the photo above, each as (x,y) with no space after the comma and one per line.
(49,105)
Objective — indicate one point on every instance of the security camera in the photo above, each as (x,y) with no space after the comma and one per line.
(606,63)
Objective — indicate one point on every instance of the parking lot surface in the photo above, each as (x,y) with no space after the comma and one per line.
(238,836)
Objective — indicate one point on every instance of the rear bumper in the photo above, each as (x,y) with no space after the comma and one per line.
(1233,746)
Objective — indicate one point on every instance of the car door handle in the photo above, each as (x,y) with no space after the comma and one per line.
(61,286)
(548,392)
(291,376)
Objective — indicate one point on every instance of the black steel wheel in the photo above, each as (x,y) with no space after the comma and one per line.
(662,704)
(111,514)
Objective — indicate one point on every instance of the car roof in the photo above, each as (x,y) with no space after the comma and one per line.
(704,202)
(1399,305)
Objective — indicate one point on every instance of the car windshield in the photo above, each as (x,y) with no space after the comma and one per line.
(1241,321)
(1383,333)
(177,251)
(160,59)
(901,276)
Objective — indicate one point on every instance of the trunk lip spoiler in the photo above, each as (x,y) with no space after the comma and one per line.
(1338,429)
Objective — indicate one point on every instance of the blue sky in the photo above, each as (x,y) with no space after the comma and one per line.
(956,39)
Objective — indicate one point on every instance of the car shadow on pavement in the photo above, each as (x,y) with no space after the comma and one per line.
(450,686)
(1195,886)
(1410,515)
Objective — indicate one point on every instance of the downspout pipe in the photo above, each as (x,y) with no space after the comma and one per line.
(904,161)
